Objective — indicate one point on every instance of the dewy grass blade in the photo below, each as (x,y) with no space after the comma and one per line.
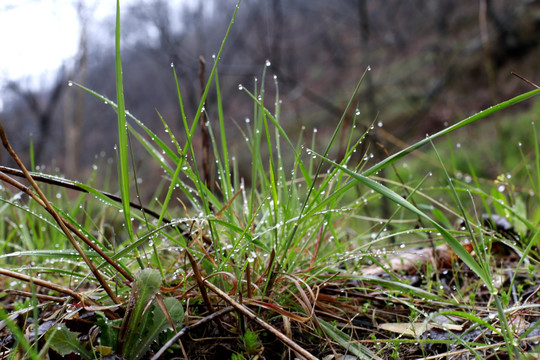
(123,138)
(482,114)
(461,252)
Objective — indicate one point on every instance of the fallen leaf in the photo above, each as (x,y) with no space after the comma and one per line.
(410,261)
(416,328)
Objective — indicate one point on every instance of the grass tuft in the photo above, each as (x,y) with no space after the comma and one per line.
(320,251)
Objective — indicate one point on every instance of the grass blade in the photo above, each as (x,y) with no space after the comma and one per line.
(460,251)
(482,114)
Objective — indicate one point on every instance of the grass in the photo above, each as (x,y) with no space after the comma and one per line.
(307,261)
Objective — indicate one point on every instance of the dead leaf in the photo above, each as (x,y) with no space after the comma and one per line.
(410,261)
(417,328)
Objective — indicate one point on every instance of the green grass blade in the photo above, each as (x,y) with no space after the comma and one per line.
(482,114)
(123,137)
(460,251)
(345,341)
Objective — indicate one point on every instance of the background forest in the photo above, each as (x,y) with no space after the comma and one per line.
(432,63)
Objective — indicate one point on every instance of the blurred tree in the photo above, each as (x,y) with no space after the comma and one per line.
(427,58)
(43,107)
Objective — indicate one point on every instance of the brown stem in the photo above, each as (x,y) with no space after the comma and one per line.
(204,130)
(87,241)
(57,217)
(253,317)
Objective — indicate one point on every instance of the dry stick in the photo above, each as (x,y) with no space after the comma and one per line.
(204,130)
(200,281)
(527,81)
(87,241)
(184,330)
(253,317)
(29,294)
(46,284)
(74,186)
(57,217)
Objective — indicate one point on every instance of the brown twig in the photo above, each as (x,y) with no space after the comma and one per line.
(200,282)
(527,81)
(184,330)
(68,184)
(87,241)
(253,317)
(204,130)
(57,217)
(46,284)
(29,294)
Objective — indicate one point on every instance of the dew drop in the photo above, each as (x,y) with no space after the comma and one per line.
(240,87)
(267,63)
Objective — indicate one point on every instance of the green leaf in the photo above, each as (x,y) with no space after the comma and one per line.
(109,334)
(145,286)
(155,322)
(65,341)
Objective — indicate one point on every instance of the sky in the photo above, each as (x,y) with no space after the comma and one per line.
(37,36)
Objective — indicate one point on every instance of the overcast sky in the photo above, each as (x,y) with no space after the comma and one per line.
(36,36)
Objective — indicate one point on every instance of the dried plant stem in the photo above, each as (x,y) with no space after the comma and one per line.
(253,317)
(68,184)
(87,241)
(200,282)
(46,284)
(177,336)
(204,130)
(57,218)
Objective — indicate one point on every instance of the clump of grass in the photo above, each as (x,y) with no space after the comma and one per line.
(281,261)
